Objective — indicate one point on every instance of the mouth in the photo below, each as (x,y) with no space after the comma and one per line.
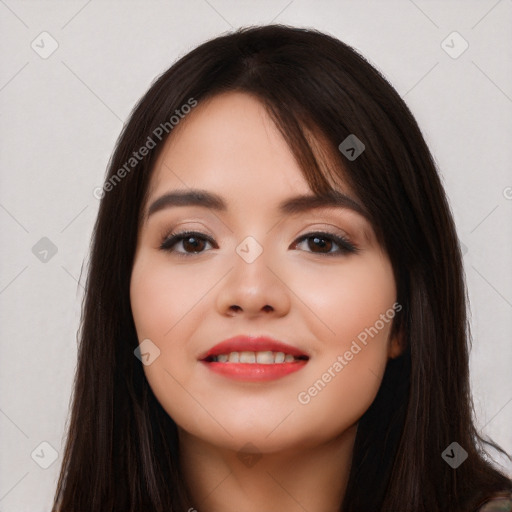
(254,358)
(260,357)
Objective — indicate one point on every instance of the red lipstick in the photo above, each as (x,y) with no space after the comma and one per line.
(230,358)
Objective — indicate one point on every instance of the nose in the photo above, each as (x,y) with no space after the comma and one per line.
(254,289)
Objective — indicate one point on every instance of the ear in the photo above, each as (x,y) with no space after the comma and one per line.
(397,344)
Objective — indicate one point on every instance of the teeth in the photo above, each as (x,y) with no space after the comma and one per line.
(264,357)
(234,357)
(279,357)
(247,357)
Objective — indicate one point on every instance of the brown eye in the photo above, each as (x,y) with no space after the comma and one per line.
(322,243)
(192,242)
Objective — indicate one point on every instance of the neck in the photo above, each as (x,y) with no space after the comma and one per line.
(223,480)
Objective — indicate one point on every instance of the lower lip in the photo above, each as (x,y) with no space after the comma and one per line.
(255,372)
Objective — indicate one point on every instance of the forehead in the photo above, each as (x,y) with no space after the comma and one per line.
(227,140)
(230,146)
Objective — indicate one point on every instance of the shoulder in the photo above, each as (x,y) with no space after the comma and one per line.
(501,502)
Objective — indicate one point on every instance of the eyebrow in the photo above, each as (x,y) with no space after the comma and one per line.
(290,206)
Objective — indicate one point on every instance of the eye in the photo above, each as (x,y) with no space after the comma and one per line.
(325,242)
(191,241)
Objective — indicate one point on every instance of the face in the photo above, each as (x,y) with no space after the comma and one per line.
(314,279)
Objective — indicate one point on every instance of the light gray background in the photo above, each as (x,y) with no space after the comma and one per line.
(60,119)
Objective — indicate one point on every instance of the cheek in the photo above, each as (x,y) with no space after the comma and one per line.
(348,299)
(335,401)
(357,309)
(168,304)
(161,295)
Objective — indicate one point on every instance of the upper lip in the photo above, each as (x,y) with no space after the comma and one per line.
(241,343)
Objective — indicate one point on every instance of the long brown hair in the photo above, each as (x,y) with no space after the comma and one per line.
(122,449)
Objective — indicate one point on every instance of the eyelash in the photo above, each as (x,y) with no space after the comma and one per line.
(345,246)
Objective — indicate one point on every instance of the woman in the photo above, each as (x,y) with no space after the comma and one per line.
(275,247)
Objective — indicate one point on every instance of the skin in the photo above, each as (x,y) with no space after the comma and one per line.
(186,304)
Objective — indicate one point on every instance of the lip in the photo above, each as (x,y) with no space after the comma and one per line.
(242,343)
(253,371)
